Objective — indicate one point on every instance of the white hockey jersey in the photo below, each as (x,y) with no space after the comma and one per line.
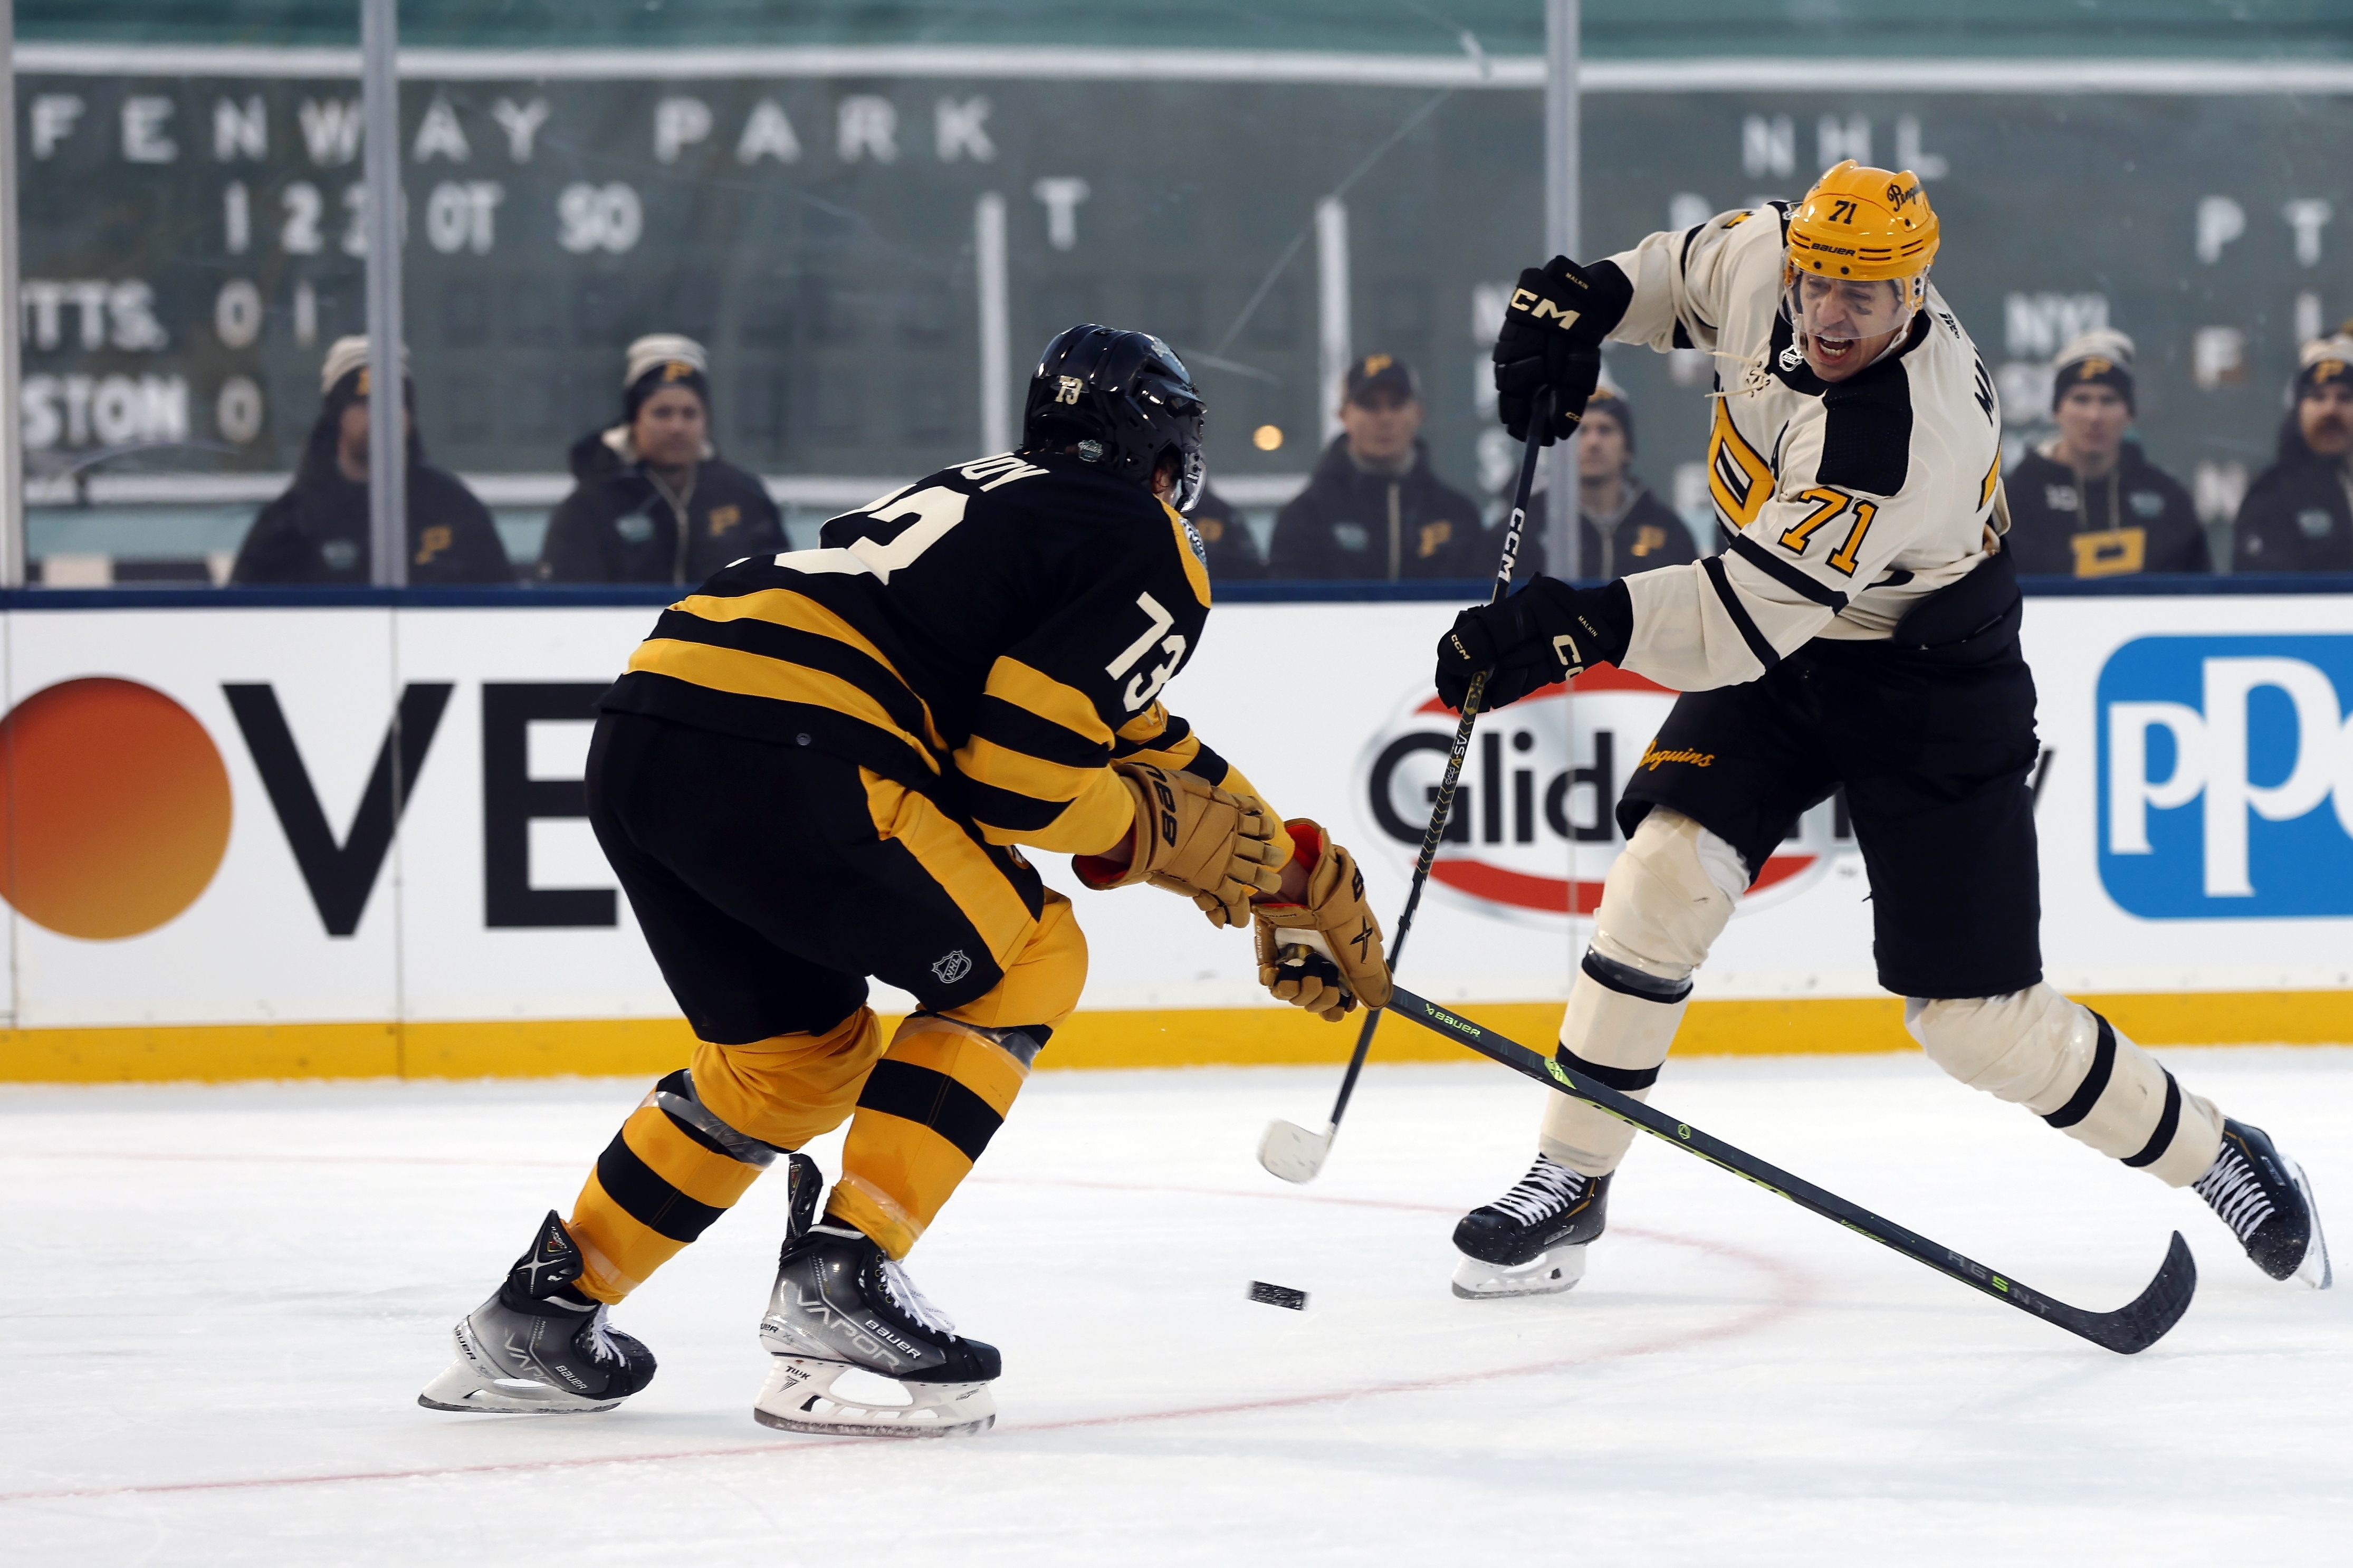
(1848,502)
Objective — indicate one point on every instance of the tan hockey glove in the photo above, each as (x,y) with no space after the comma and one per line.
(1190,838)
(1324,955)
(1233,907)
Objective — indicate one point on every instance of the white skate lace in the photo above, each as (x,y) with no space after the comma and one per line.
(912,1302)
(1545,1190)
(2231,1187)
(597,1338)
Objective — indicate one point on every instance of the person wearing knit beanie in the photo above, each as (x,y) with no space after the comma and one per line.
(2298,514)
(652,500)
(2087,502)
(1622,525)
(317,531)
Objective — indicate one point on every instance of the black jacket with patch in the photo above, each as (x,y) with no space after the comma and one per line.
(619,526)
(2135,518)
(317,532)
(2297,517)
(1648,535)
(1226,539)
(1352,523)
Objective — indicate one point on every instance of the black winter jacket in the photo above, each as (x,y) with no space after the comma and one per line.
(2298,516)
(318,530)
(617,526)
(1648,535)
(1351,523)
(2135,518)
(1228,549)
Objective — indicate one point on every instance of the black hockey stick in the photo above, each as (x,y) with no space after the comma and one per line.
(1288,1150)
(2134,1327)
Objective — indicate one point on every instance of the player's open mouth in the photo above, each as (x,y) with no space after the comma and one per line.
(1833,351)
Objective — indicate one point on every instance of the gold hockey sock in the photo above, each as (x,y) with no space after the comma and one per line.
(929,1108)
(698,1142)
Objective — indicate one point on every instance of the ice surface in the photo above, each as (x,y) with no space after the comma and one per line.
(223,1302)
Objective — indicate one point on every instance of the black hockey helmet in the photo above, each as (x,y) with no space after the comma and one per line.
(1124,399)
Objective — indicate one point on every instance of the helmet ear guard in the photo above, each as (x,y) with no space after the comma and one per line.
(1125,396)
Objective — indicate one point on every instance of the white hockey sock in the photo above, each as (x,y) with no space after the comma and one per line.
(2069,1066)
(1665,902)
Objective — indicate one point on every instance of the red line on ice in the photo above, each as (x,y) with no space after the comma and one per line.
(1794,1290)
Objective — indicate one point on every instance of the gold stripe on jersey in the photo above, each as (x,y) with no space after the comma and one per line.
(1011,796)
(1740,480)
(784,607)
(1035,764)
(1152,736)
(962,868)
(1992,478)
(1014,682)
(748,674)
(1197,570)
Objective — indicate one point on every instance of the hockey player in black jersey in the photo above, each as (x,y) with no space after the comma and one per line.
(825,765)
(1860,629)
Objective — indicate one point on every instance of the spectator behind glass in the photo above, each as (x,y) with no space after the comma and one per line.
(1621,526)
(2087,502)
(1372,508)
(2298,514)
(1227,546)
(634,481)
(318,530)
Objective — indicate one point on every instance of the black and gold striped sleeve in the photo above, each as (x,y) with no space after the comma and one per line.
(1036,766)
(1081,690)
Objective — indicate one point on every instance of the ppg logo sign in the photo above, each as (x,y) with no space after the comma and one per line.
(2226,776)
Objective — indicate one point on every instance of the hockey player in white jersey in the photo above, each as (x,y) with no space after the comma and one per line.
(1860,629)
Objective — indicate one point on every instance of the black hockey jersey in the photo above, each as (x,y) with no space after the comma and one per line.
(993,634)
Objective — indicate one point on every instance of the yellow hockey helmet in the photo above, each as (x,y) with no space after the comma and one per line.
(1863,224)
(1857,266)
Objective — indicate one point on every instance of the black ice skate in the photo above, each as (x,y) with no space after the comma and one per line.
(1532,1240)
(2264,1197)
(539,1347)
(840,1305)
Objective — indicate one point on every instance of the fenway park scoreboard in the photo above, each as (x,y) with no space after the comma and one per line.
(191,241)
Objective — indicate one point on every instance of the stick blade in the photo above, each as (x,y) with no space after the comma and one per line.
(1292,1152)
(2149,1316)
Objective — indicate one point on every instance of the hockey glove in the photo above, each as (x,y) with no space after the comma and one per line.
(1551,339)
(1324,955)
(1191,837)
(1546,632)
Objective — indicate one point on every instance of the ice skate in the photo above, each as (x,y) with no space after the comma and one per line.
(842,1305)
(539,1347)
(1532,1240)
(2264,1197)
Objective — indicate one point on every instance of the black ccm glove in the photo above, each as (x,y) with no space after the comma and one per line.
(1546,632)
(1552,337)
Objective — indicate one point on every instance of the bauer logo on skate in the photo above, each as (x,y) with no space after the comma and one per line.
(1535,825)
(2226,770)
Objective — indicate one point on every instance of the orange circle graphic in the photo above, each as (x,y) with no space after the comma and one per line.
(114,808)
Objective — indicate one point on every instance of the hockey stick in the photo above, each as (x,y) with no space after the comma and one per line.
(1288,1150)
(2133,1327)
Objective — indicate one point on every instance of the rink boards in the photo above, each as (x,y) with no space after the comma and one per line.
(219,866)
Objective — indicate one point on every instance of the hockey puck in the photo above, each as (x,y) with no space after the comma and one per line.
(1278,1295)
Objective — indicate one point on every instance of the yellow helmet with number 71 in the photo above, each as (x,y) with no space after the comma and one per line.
(1859,246)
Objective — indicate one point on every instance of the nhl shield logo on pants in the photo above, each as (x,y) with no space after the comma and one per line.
(952,967)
